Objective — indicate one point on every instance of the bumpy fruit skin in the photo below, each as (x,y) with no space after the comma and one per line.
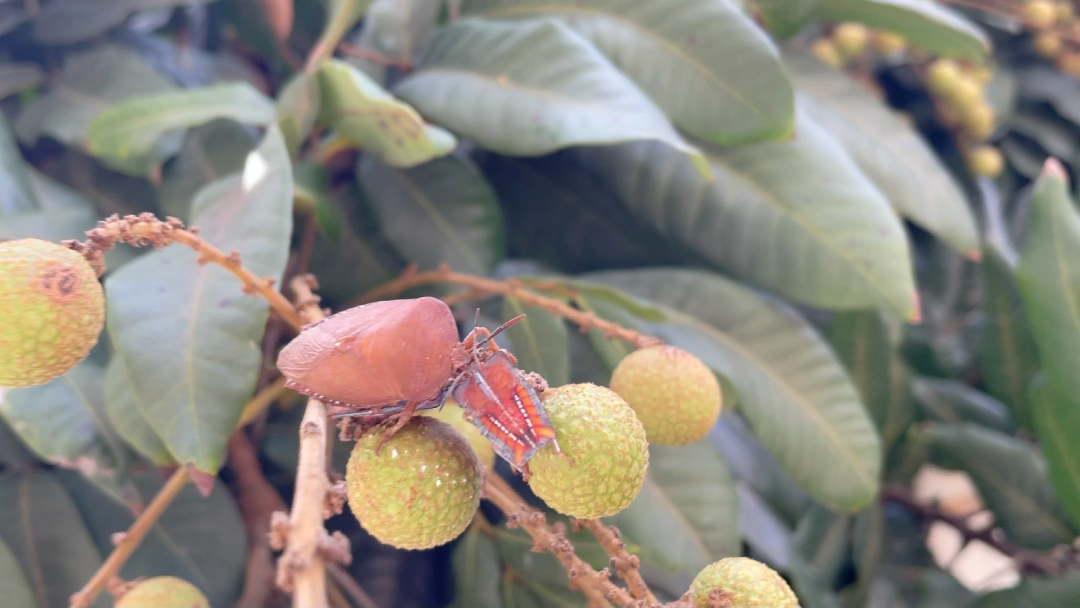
(850,39)
(52,309)
(979,121)
(743,582)
(601,433)
(825,50)
(163,592)
(986,160)
(452,414)
(1040,13)
(942,76)
(420,490)
(674,394)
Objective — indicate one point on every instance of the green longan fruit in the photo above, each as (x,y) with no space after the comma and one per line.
(675,395)
(942,76)
(420,489)
(452,414)
(163,592)
(888,43)
(52,309)
(850,39)
(1047,44)
(986,161)
(605,439)
(825,50)
(978,121)
(1040,13)
(743,582)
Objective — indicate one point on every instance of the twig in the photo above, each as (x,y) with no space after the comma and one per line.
(595,585)
(511,287)
(261,401)
(625,565)
(302,568)
(257,500)
(350,587)
(1027,559)
(146,229)
(131,539)
(373,56)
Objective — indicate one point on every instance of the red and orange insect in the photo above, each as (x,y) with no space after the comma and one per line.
(398,356)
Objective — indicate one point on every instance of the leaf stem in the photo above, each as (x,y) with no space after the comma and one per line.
(510,287)
(132,539)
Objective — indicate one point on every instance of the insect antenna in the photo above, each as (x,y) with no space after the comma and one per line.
(498,329)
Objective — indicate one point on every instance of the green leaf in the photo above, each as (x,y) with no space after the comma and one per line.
(64,422)
(16,194)
(1008,352)
(14,586)
(210,152)
(370,118)
(187,333)
(687,514)
(128,417)
(443,211)
(530,88)
(798,218)
(1012,478)
(784,18)
(341,16)
(43,529)
(16,77)
(929,26)
(64,22)
(539,341)
(298,106)
(126,136)
(704,62)
(888,149)
(796,395)
(89,82)
(952,401)
(312,195)
(861,340)
(1056,416)
(477,571)
(201,540)
(1036,592)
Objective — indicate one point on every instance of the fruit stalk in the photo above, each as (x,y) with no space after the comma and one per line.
(625,565)
(302,569)
(511,287)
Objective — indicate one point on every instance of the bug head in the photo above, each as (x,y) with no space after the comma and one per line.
(479,340)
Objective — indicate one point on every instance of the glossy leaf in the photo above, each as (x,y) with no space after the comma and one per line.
(1012,479)
(210,152)
(687,514)
(861,339)
(443,211)
(128,417)
(798,218)
(201,540)
(767,535)
(540,341)
(1055,415)
(90,81)
(15,77)
(784,18)
(1035,592)
(187,333)
(42,527)
(127,135)
(889,150)
(952,401)
(477,571)
(795,394)
(704,62)
(14,586)
(927,25)
(64,422)
(370,118)
(298,106)
(530,88)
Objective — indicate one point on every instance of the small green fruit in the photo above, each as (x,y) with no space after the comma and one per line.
(53,309)
(888,43)
(743,582)
(452,414)
(422,487)
(942,76)
(605,439)
(674,394)
(825,50)
(986,161)
(851,39)
(965,94)
(1040,13)
(163,592)
(1047,44)
(978,121)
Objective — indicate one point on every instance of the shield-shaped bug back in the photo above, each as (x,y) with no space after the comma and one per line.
(375,358)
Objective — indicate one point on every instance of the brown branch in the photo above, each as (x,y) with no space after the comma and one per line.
(348,585)
(146,229)
(373,56)
(513,288)
(1027,559)
(625,565)
(302,567)
(595,585)
(131,539)
(257,500)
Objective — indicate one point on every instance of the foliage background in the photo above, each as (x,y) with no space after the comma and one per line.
(683,169)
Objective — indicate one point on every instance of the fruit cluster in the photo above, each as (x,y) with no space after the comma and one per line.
(849,41)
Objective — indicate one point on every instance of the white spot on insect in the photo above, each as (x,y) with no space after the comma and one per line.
(255,169)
